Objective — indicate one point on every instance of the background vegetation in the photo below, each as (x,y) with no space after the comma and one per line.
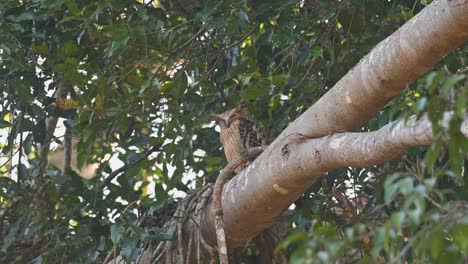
(145,79)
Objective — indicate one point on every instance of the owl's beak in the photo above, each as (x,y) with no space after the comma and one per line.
(219,120)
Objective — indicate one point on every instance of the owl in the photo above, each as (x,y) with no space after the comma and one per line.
(239,133)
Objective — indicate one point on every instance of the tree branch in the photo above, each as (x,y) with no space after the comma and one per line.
(377,147)
(274,183)
(51,124)
(67,147)
(255,198)
(386,70)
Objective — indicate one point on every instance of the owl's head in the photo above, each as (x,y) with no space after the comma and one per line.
(225,119)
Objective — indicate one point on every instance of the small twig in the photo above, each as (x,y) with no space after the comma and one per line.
(135,66)
(20,156)
(350,211)
(160,67)
(312,63)
(180,227)
(159,250)
(10,158)
(245,36)
(218,188)
(189,247)
(159,257)
(67,147)
(208,72)
(436,204)
(345,204)
(173,51)
(409,245)
(169,253)
(202,29)
(168,29)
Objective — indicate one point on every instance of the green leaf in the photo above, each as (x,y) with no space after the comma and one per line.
(254,92)
(391,188)
(80,36)
(292,239)
(25,16)
(456,158)
(420,105)
(50,4)
(116,31)
(71,5)
(23,172)
(12,234)
(143,88)
(69,123)
(244,16)
(129,248)
(134,157)
(27,144)
(67,50)
(4,124)
(450,82)
(118,44)
(37,260)
(24,91)
(398,219)
(317,52)
(366,260)
(437,244)
(41,49)
(117,230)
(406,185)
(433,154)
(460,239)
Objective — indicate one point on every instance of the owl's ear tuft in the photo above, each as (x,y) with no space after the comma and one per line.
(216,118)
(240,110)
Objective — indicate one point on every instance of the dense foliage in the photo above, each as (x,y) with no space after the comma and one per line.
(140,80)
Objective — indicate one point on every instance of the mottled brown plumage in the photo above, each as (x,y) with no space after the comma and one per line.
(239,132)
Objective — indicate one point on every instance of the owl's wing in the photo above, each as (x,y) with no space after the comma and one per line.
(250,133)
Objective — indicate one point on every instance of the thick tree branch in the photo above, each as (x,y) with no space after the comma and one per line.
(255,198)
(371,148)
(262,188)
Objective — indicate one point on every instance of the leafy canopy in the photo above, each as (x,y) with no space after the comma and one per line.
(146,75)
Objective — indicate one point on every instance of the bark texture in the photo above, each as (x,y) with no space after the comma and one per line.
(256,197)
